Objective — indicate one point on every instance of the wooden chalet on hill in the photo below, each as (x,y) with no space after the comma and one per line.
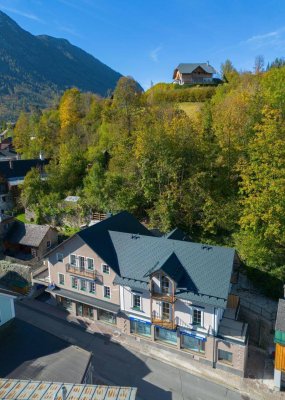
(194,73)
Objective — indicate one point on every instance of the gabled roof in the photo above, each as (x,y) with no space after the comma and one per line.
(27,234)
(19,168)
(178,234)
(171,266)
(207,268)
(97,236)
(188,68)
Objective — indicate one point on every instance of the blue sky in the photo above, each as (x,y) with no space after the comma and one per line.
(146,39)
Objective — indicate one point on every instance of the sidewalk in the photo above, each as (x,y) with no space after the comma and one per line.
(73,329)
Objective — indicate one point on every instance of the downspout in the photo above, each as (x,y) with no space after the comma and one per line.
(214,341)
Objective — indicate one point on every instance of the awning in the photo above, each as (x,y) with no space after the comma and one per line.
(194,335)
(279,337)
(88,300)
(140,320)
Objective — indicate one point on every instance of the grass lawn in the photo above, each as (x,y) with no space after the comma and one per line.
(191,109)
(21,217)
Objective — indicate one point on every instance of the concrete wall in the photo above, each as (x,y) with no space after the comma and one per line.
(7,310)
(126,295)
(259,329)
(51,236)
(78,247)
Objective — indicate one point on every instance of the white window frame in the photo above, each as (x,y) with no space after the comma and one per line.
(133,302)
(89,258)
(73,265)
(61,274)
(106,297)
(79,259)
(77,279)
(90,283)
(85,282)
(202,317)
(105,265)
(57,257)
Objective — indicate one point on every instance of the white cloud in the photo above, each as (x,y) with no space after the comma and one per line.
(273,39)
(21,13)
(154,53)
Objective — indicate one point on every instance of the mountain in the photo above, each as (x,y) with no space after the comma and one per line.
(36,69)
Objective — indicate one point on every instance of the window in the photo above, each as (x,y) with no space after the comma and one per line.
(192,343)
(140,328)
(81,262)
(107,292)
(90,264)
(61,279)
(4,199)
(59,257)
(165,310)
(165,285)
(48,243)
(197,317)
(73,260)
(83,285)
(136,302)
(74,282)
(225,356)
(166,335)
(105,269)
(91,287)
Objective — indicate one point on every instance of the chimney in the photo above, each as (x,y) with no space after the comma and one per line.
(11,164)
(208,63)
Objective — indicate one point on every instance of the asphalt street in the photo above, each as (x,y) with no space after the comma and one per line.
(114,364)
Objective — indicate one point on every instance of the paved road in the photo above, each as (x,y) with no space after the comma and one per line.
(115,364)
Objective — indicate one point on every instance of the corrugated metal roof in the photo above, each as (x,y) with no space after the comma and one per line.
(16,389)
(280,319)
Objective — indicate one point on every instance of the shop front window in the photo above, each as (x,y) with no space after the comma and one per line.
(192,343)
(106,316)
(140,328)
(166,335)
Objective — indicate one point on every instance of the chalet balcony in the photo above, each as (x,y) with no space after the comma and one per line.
(164,323)
(166,297)
(87,273)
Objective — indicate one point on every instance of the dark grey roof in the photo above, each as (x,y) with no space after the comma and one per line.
(187,68)
(31,353)
(19,168)
(280,319)
(82,298)
(98,239)
(178,234)
(208,268)
(171,266)
(27,234)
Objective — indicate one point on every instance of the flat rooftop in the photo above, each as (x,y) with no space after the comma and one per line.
(233,330)
(16,389)
(31,353)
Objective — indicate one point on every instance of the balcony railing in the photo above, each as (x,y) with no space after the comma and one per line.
(167,297)
(164,323)
(88,273)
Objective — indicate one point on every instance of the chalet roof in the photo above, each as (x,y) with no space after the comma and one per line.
(188,68)
(19,168)
(207,268)
(27,234)
(171,266)
(97,236)
(178,234)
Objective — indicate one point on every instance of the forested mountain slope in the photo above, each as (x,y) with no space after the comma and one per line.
(35,69)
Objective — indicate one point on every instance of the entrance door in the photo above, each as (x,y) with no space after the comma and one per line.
(79,309)
(165,311)
(82,310)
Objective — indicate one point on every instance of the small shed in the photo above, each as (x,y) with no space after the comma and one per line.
(27,241)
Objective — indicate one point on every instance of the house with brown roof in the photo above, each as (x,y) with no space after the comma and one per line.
(194,73)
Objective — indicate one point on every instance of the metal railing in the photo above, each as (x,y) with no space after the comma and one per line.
(81,271)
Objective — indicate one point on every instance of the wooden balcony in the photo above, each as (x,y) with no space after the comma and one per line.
(164,323)
(166,297)
(87,273)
